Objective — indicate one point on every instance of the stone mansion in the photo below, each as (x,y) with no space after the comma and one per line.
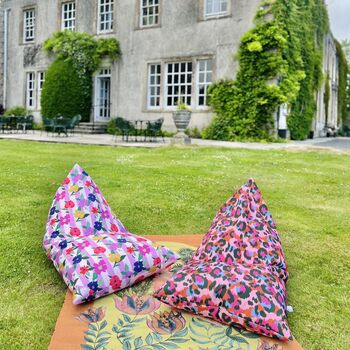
(170,50)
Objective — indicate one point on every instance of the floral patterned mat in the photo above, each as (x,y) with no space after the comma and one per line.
(132,319)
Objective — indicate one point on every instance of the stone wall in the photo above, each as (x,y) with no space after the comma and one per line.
(183,34)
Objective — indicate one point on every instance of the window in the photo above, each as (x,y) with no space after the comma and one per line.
(30,88)
(149,13)
(105,15)
(103,95)
(28,25)
(41,80)
(68,16)
(178,83)
(154,78)
(204,79)
(215,8)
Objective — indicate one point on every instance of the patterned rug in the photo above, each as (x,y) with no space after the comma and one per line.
(133,320)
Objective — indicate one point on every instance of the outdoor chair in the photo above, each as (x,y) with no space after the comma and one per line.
(3,123)
(48,125)
(72,123)
(62,125)
(154,129)
(125,127)
(25,123)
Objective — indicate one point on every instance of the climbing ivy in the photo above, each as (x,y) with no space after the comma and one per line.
(344,84)
(280,61)
(68,85)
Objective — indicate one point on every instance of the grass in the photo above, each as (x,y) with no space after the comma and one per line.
(177,191)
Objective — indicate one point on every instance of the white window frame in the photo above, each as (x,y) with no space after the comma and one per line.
(213,4)
(208,73)
(68,23)
(40,83)
(107,21)
(29,25)
(150,6)
(155,86)
(103,73)
(186,98)
(30,90)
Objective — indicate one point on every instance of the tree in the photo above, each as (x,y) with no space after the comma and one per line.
(65,92)
(68,85)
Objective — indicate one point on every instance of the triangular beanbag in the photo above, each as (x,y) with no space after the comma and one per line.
(91,248)
(238,274)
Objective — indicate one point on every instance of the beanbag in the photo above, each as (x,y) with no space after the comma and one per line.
(90,247)
(237,276)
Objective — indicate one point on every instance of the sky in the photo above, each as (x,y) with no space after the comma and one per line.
(339,13)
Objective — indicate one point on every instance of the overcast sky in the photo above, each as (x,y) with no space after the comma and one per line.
(339,13)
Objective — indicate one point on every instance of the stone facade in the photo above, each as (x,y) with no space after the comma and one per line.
(330,119)
(182,38)
(176,57)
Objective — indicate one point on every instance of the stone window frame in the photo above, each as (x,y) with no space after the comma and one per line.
(21,25)
(98,22)
(139,17)
(29,25)
(202,11)
(61,12)
(163,85)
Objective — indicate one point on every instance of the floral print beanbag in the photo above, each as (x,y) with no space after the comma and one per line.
(238,274)
(90,248)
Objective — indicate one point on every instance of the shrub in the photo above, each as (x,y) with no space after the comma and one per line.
(68,85)
(17,111)
(65,92)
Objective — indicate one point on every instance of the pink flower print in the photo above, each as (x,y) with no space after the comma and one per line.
(88,183)
(145,249)
(100,267)
(75,232)
(94,210)
(105,214)
(60,195)
(114,228)
(83,245)
(64,220)
(99,250)
(69,205)
(66,181)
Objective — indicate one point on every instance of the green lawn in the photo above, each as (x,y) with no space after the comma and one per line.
(177,191)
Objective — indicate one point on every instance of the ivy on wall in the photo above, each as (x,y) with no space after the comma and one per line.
(68,84)
(343,92)
(280,61)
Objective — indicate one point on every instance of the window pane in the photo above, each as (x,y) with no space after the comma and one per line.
(204,79)
(154,79)
(149,10)
(179,85)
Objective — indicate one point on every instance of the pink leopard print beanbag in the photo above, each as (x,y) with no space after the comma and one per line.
(237,276)
(90,247)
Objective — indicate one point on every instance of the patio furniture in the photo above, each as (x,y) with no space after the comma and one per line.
(72,123)
(25,123)
(125,127)
(3,123)
(62,125)
(48,125)
(154,129)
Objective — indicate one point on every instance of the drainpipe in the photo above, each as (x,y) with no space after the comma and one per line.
(6,13)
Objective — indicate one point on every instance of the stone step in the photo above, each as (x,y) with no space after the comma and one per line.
(91,128)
